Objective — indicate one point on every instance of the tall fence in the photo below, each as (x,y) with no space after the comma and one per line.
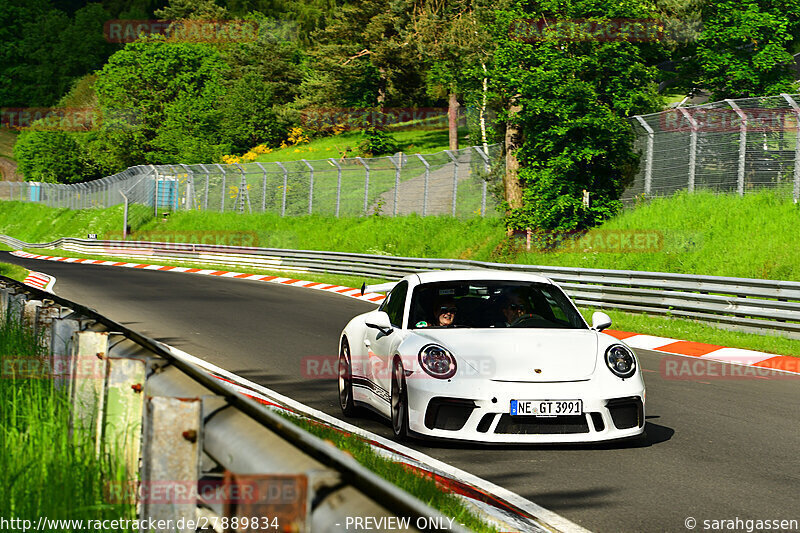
(444,183)
(734,146)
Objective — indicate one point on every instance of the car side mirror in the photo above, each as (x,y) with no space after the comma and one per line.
(600,321)
(380,321)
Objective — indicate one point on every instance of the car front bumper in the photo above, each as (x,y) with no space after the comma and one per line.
(480,411)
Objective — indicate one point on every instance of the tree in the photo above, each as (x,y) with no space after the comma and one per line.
(264,77)
(360,59)
(450,39)
(173,92)
(744,48)
(569,92)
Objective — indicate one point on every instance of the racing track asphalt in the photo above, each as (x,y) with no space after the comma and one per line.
(715,449)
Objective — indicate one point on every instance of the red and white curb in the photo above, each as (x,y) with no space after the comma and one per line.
(505,509)
(767,362)
(338,289)
(40,280)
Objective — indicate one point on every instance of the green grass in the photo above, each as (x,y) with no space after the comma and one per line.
(754,236)
(13,271)
(682,329)
(412,235)
(421,487)
(45,472)
(411,141)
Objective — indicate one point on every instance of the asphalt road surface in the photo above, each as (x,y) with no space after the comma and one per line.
(716,450)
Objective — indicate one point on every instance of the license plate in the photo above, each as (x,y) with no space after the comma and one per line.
(546,407)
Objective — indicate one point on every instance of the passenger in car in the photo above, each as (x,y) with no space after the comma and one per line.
(445,312)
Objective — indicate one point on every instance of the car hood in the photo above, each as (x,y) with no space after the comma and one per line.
(520,355)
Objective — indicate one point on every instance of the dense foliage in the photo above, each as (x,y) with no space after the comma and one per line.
(559,100)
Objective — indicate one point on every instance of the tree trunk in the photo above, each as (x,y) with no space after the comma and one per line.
(484,141)
(381,87)
(452,120)
(513,189)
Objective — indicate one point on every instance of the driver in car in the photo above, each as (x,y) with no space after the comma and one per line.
(514,309)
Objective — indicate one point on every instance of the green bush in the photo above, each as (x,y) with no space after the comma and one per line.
(377,142)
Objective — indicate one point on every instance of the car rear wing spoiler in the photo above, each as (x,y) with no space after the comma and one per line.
(383,287)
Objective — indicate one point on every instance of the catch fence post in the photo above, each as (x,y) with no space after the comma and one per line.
(263,188)
(796,188)
(310,186)
(222,190)
(366,181)
(396,163)
(742,144)
(648,165)
(338,183)
(285,187)
(454,159)
(485,156)
(692,147)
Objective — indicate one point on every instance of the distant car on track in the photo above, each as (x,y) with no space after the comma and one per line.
(516,364)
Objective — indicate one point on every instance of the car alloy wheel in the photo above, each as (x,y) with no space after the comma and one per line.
(399,401)
(346,380)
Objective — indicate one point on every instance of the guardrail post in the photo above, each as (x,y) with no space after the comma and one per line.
(29,310)
(742,144)
(16,304)
(396,161)
(171,424)
(648,165)
(796,107)
(338,183)
(366,182)
(263,188)
(87,381)
(61,335)
(45,315)
(454,159)
(485,157)
(285,188)
(122,428)
(310,186)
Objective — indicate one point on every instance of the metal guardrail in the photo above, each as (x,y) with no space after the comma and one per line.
(185,425)
(754,305)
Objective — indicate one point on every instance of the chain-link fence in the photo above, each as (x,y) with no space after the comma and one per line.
(729,146)
(445,183)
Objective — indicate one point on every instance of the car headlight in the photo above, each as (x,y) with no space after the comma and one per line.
(620,361)
(437,361)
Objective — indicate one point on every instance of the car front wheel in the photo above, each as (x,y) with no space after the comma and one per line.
(346,381)
(399,401)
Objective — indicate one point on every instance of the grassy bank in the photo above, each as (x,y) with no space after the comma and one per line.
(45,472)
(754,236)
(346,144)
(702,233)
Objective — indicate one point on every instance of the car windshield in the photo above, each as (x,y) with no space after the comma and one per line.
(492,304)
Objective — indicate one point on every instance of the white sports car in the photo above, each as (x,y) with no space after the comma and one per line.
(489,356)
